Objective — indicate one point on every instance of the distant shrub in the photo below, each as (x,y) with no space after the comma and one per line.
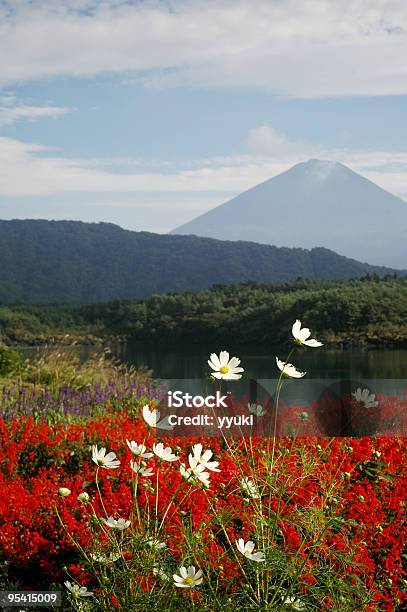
(63,367)
(10,360)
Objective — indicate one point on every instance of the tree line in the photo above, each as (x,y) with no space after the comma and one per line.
(368,310)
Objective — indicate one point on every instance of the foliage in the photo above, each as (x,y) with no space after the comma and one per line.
(63,367)
(56,385)
(74,262)
(10,360)
(361,311)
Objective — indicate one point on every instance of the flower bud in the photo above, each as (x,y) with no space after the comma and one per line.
(83,497)
(64,492)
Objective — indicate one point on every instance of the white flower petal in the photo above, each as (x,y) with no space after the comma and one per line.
(215,361)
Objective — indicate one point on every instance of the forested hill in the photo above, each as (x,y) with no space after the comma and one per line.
(367,311)
(74,262)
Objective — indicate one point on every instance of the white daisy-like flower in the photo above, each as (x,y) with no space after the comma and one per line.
(196,474)
(164,453)
(199,458)
(108,461)
(225,368)
(288,370)
(294,603)
(247,550)
(249,488)
(188,578)
(365,398)
(156,544)
(152,418)
(141,470)
(102,558)
(138,449)
(301,336)
(64,492)
(76,590)
(256,409)
(118,524)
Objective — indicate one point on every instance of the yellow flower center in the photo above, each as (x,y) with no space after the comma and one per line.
(189,580)
(224,370)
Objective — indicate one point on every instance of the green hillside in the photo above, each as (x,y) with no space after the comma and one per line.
(369,311)
(71,262)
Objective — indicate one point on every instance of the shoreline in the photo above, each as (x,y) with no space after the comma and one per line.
(72,340)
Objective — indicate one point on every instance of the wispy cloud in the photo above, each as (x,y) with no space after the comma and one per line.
(265,140)
(34,170)
(292,48)
(11,114)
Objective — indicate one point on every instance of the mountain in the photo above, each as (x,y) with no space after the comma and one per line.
(75,262)
(316,203)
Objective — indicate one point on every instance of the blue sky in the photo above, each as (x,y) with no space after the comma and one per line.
(146,114)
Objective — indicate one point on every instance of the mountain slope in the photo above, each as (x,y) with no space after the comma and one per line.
(316,203)
(75,262)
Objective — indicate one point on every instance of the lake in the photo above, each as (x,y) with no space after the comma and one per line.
(191,361)
(342,371)
(181,361)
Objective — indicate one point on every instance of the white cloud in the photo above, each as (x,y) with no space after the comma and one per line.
(29,170)
(294,48)
(32,170)
(11,114)
(264,140)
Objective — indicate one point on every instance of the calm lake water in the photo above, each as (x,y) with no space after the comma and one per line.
(180,361)
(191,361)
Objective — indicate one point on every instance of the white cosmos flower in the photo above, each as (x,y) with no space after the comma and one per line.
(141,470)
(197,458)
(76,590)
(288,370)
(119,524)
(188,578)
(249,488)
(247,550)
(152,417)
(256,409)
(64,492)
(164,453)
(225,368)
(108,461)
(301,335)
(294,603)
(365,398)
(138,449)
(102,558)
(156,544)
(196,473)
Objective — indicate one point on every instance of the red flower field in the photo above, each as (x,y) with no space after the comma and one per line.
(334,510)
